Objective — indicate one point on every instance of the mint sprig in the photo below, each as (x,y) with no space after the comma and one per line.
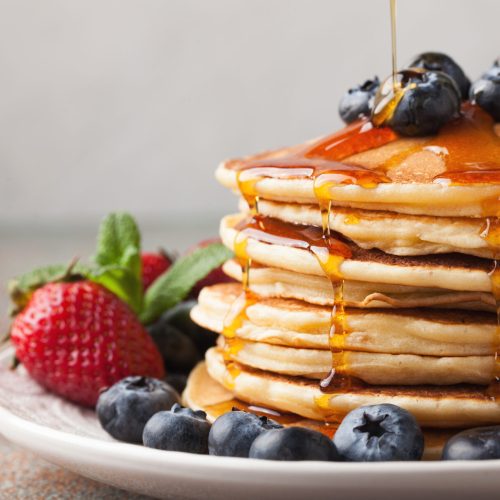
(116,265)
(175,284)
(118,259)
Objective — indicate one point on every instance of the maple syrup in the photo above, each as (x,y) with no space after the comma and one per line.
(330,252)
(283,418)
(470,154)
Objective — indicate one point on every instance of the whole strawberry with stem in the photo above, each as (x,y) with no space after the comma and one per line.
(76,338)
(79,329)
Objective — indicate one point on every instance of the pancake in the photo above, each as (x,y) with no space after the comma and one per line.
(275,282)
(371,368)
(204,393)
(453,174)
(397,234)
(292,323)
(439,407)
(449,271)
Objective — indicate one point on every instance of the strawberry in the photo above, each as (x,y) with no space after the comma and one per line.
(153,265)
(77,338)
(80,328)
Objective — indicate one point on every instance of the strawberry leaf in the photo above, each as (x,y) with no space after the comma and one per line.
(175,284)
(20,288)
(118,258)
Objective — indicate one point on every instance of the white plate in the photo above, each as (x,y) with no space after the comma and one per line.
(71,437)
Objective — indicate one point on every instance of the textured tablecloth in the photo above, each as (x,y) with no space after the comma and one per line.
(25,476)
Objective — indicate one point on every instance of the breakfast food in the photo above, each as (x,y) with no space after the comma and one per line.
(367,263)
(79,328)
(124,408)
(179,429)
(76,338)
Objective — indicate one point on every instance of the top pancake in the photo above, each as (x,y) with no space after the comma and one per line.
(412,175)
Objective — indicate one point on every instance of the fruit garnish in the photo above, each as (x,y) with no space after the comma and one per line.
(76,338)
(293,443)
(419,103)
(485,92)
(436,61)
(215,276)
(78,327)
(358,101)
(180,429)
(480,443)
(153,265)
(124,408)
(233,433)
(379,433)
(175,284)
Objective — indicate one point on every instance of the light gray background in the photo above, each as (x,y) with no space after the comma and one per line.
(130,104)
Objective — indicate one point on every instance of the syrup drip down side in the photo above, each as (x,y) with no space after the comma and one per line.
(237,314)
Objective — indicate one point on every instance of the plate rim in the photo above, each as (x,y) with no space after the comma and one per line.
(12,425)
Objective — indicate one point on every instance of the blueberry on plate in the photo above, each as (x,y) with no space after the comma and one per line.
(177,380)
(180,429)
(293,443)
(180,317)
(358,101)
(481,443)
(424,102)
(179,352)
(485,92)
(233,433)
(436,61)
(124,408)
(379,433)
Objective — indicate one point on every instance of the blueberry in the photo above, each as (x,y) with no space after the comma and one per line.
(179,352)
(293,443)
(180,317)
(427,100)
(233,433)
(435,61)
(481,443)
(379,433)
(358,101)
(485,92)
(180,429)
(177,380)
(124,408)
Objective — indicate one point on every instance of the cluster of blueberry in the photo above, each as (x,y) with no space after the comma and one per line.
(181,342)
(425,96)
(146,410)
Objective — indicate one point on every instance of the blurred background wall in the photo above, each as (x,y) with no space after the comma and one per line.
(130,104)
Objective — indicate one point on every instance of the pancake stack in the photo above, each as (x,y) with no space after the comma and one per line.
(366,272)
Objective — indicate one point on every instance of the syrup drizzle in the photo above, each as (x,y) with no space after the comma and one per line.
(283,418)
(470,153)
(467,148)
(330,252)
(237,313)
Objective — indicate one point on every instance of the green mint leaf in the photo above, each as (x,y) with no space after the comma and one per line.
(118,258)
(121,281)
(118,237)
(175,284)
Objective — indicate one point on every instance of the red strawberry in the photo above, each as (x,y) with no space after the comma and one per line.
(76,338)
(153,265)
